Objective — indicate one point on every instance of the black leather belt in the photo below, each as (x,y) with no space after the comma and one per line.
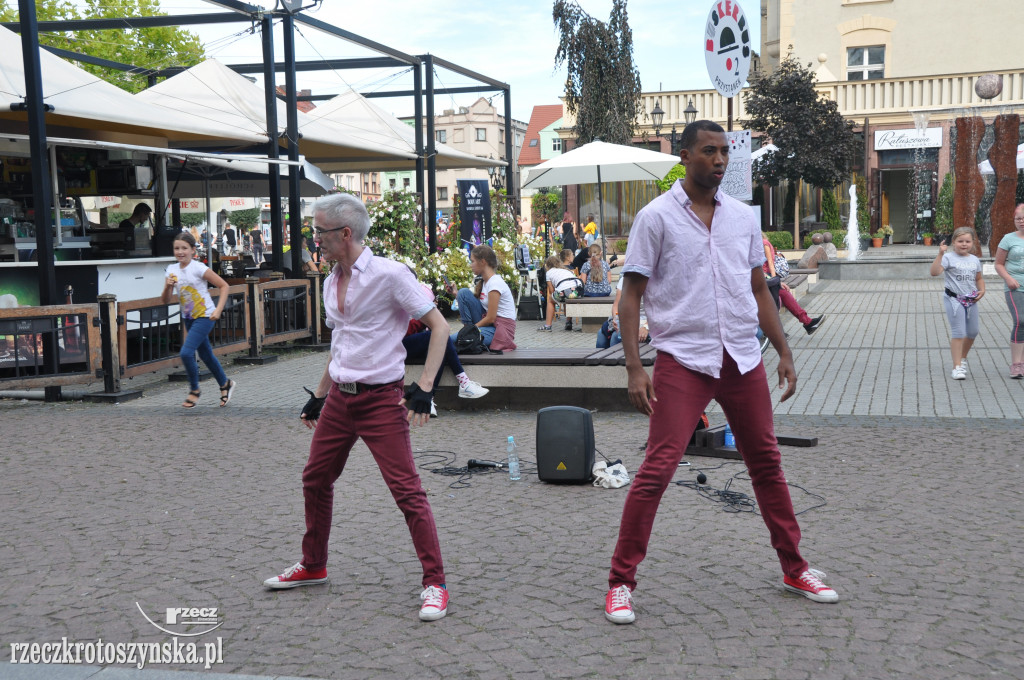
(359,388)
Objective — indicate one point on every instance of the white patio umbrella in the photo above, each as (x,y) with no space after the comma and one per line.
(599,162)
(985,167)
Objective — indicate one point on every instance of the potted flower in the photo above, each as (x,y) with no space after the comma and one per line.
(865,239)
(886,231)
(876,239)
(927,237)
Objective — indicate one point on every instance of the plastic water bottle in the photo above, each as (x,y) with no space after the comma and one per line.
(513,461)
(730,440)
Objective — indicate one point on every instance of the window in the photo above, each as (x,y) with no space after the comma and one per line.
(481,134)
(405,183)
(442,193)
(533,142)
(391,183)
(865,63)
(556,144)
(441,135)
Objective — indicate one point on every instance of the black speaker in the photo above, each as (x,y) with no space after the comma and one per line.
(529,308)
(565,444)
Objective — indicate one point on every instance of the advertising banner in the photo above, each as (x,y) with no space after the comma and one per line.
(474,212)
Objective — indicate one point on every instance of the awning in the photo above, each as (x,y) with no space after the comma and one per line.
(93,108)
(214,91)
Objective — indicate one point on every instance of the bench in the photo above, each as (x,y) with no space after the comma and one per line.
(592,311)
(530,379)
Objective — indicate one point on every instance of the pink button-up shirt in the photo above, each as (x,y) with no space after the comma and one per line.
(698,298)
(366,341)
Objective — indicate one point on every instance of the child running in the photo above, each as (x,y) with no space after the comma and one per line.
(189,278)
(964,287)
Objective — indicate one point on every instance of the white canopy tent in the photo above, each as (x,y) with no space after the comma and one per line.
(87,107)
(214,91)
(353,109)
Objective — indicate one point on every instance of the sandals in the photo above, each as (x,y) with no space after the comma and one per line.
(226,391)
(191,400)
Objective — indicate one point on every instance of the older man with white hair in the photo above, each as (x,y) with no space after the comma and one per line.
(369,301)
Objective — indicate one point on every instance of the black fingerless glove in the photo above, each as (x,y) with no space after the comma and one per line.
(416,399)
(311,411)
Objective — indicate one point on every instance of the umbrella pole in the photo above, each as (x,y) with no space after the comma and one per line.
(600,209)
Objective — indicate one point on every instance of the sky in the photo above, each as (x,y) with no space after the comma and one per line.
(512,41)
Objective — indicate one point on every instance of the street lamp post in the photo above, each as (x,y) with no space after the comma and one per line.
(689,115)
(497,178)
(657,118)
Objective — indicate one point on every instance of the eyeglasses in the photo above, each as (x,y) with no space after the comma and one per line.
(318,232)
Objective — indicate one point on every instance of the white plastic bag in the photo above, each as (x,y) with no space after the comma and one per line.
(610,477)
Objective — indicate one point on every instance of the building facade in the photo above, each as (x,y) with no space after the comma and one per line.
(477,129)
(884,63)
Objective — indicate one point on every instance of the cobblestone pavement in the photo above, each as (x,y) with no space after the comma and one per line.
(108,507)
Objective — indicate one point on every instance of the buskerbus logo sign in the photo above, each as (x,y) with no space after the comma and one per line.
(727,47)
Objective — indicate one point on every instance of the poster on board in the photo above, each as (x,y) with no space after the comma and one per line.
(737,181)
(474,212)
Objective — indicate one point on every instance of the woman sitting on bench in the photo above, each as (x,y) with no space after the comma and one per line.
(490,307)
(559,282)
(595,275)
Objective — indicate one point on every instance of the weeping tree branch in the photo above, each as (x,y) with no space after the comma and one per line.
(602,87)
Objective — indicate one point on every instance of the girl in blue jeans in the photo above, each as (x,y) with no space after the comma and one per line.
(189,279)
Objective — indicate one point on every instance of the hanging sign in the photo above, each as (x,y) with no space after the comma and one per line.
(727,47)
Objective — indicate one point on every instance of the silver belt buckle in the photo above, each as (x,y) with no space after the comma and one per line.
(347,388)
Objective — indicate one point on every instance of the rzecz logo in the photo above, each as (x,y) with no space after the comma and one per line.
(186,619)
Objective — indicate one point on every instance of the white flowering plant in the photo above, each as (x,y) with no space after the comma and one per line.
(394,221)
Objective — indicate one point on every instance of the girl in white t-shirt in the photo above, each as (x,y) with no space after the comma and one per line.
(490,307)
(189,279)
(964,287)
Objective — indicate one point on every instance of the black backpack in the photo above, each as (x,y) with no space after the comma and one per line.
(470,341)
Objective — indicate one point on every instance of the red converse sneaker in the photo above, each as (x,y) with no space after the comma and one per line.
(435,603)
(295,576)
(618,605)
(810,585)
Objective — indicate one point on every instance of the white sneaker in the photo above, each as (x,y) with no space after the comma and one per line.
(963,365)
(472,390)
(958,373)
(433,409)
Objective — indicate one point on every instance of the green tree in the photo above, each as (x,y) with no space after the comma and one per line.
(602,87)
(816,144)
(546,203)
(677,172)
(146,48)
(944,206)
(830,209)
(245,219)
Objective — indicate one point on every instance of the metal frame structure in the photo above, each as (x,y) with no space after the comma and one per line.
(240,12)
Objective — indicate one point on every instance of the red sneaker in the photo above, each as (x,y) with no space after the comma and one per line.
(295,576)
(618,605)
(435,603)
(810,585)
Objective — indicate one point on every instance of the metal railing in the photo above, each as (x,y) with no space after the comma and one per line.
(114,340)
(287,312)
(29,336)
